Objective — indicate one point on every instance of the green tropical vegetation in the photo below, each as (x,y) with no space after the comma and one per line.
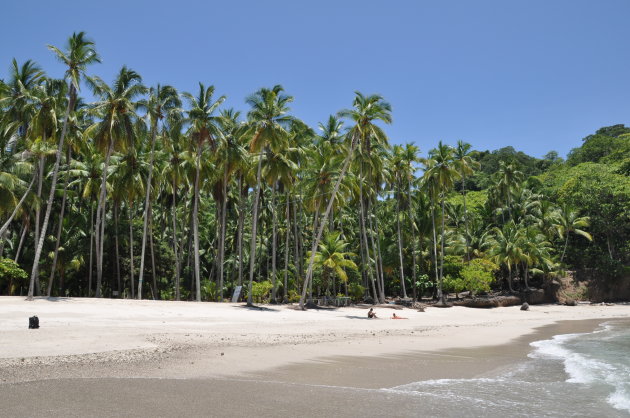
(138,191)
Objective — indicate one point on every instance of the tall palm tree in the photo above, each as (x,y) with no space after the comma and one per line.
(80,53)
(367,109)
(163,101)
(204,128)
(442,171)
(269,125)
(114,132)
(569,221)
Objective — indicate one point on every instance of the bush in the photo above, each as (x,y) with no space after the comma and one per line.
(478,275)
(208,290)
(11,275)
(356,291)
(260,291)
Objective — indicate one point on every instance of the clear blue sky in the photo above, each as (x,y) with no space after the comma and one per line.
(537,75)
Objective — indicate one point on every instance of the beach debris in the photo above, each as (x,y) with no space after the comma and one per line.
(525,307)
(33,322)
(570,302)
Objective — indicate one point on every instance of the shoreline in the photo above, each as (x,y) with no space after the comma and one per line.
(185,340)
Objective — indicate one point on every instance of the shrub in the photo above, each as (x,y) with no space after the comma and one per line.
(11,275)
(478,275)
(260,291)
(356,291)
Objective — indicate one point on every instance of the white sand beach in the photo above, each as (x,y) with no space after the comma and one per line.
(212,339)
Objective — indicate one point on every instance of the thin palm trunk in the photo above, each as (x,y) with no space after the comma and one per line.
(413,242)
(59,229)
(116,207)
(176,242)
(131,267)
(51,195)
(378,260)
(100,219)
(252,252)
(195,222)
(153,275)
(296,255)
(442,254)
(466,219)
(274,243)
(437,277)
(241,220)
(366,245)
(91,249)
(147,210)
(309,270)
(400,247)
(21,244)
(564,251)
(222,238)
(286,251)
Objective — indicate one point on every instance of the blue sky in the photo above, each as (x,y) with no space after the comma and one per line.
(537,75)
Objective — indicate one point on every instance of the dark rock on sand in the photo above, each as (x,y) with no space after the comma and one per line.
(525,307)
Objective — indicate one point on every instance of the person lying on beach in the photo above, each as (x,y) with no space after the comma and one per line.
(371,314)
(394,316)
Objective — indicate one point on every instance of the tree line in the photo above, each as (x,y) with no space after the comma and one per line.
(153,193)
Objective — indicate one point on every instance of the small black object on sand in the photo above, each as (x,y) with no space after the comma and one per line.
(33,322)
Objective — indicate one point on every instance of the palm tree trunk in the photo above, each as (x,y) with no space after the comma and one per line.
(412,242)
(252,252)
(566,243)
(274,243)
(176,251)
(131,267)
(51,195)
(400,246)
(222,239)
(147,203)
(442,253)
(116,207)
(309,271)
(285,298)
(156,295)
(100,220)
(20,245)
(297,253)
(5,226)
(59,228)
(92,221)
(241,220)
(195,222)
(437,276)
(366,245)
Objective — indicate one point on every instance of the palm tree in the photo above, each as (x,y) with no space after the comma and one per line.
(569,221)
(115,131)
(332,258)
(509,178)
(204,128)
(507,248)
(80,53)
(269,124)
(367,109)
(442,171)
(163,102)
(466,167)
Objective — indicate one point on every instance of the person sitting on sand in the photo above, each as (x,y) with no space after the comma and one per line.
(371,314)
(394,316)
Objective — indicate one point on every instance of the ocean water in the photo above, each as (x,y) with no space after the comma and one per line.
(571,375)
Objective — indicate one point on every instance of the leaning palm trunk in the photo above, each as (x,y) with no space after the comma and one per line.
(564,251)
(5,227)
(146,210)
(252,252)
(51,196)
(195,222)
(309,270)
(21,244)
(100,220)
(400,247)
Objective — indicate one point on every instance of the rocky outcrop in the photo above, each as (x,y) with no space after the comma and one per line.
(489,302)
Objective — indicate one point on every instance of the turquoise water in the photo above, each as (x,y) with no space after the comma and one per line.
(578,375)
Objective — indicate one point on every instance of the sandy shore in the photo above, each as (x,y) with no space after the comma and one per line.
(146,358)
(198,340)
